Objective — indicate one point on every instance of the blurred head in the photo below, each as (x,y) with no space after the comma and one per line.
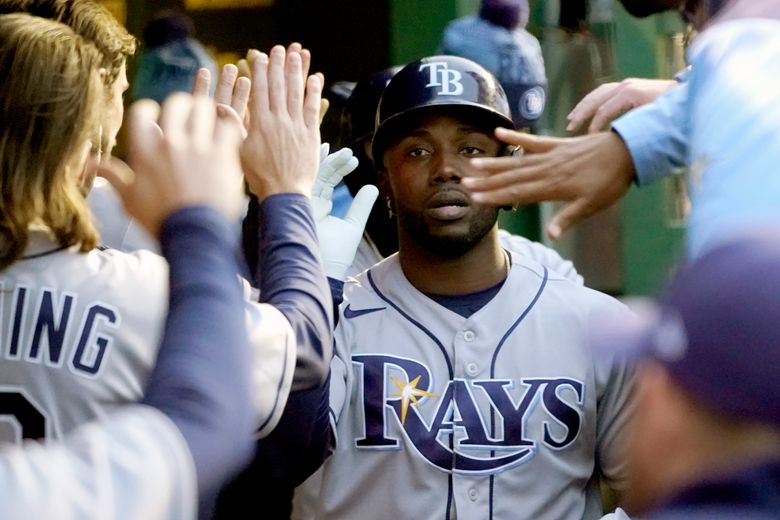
(357,128)
(708,398)
(50,116)
(509,14)
(94,23)
(434,116)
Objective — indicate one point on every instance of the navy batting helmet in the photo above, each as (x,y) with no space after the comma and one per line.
(439,81)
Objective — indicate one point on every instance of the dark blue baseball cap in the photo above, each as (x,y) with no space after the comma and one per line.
(716,330)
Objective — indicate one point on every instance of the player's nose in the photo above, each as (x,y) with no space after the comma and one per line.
(444,168)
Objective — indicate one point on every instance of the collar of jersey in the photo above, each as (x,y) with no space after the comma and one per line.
(41,242)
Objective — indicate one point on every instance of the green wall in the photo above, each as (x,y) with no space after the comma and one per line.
(416,27)
(652,240)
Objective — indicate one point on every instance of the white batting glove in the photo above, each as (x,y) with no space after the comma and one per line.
(333,168)
(339,238)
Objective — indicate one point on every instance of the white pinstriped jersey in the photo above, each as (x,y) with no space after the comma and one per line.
(80,334)
(132,465)
(505,414)
(367,255)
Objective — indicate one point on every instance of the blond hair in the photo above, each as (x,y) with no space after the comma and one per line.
(49,109)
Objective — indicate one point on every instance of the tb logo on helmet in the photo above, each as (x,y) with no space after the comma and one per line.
(448,80)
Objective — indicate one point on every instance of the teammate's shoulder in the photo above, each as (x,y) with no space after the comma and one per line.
(529,264)
(141,267)
(558,286)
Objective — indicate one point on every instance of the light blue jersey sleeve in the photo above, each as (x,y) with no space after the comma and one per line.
(655,135)
(734,112)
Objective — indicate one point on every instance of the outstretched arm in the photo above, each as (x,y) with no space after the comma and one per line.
(589,173)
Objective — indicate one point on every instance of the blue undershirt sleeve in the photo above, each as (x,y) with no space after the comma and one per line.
(284,255)
(291,277)
(201,380)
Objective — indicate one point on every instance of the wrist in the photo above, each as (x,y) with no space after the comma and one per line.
(263,188)
(622,156)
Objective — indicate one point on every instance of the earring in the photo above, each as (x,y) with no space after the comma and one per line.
(390,211)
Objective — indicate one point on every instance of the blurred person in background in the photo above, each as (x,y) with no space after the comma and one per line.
(170,58)
(704,442)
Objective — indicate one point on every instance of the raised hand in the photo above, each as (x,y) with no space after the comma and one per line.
(281,151)
(180,155)
(231,94)
(610,100)
(589,173)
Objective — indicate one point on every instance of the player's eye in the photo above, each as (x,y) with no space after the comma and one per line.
(419,152)
(472,150)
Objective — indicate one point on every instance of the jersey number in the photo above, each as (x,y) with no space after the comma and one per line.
(31,420)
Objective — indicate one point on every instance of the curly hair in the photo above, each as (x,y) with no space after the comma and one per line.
(89,20)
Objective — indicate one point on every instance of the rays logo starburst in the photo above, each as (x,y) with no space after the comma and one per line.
(408,392)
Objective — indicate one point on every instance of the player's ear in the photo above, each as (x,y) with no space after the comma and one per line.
(385,190)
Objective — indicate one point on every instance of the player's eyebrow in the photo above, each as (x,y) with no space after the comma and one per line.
(460,129)
(466,129)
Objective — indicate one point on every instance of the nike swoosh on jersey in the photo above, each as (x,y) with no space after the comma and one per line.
(349,313)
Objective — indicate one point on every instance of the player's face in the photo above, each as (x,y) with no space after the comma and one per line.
(653,436)
(422,173)
(104,142)
(115,109)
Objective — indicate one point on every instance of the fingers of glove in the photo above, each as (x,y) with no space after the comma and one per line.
(331,172)
(324,151)
(360,208)
(340,163)
(321,207)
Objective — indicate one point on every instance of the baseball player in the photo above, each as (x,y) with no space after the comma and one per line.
(461,386)
(83,325)
(147,460)
(381,233)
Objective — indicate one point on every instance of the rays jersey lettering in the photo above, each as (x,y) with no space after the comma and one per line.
(445,79)
(446,425)
(43,328)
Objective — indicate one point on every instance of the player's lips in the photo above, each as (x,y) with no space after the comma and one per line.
(448,204)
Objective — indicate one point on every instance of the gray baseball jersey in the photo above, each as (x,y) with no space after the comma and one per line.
(367,255)
(80,334)
(117,229)
(505,414)
(133,464)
